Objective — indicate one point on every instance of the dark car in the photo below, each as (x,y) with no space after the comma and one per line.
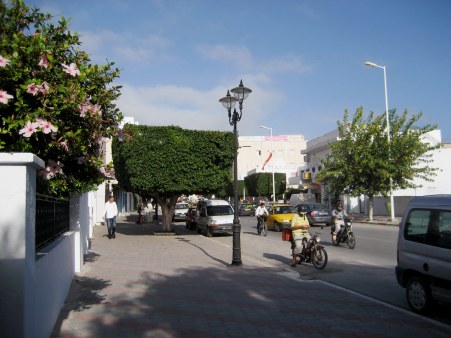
(191,218)
(246,209)
(317,213)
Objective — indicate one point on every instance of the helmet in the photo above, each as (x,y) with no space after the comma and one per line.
(302,209)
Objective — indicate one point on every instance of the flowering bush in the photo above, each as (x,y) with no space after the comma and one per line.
(53,102)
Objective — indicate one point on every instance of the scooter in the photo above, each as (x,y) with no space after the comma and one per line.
(345,235)
(312,252)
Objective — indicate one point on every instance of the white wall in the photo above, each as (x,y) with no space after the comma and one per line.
(34,286)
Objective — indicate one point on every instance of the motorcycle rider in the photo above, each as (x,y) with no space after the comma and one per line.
(261,213)
(338,218)
(300,234)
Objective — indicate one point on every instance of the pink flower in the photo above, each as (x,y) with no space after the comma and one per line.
(97,108)
(4,97)
(64,145)
(46,126)
(56,167)
(83,108)
(44,62)
(33,89)
(71,69)
(3,62)
(44,88)
(29,129)
(51,169)
(46,173)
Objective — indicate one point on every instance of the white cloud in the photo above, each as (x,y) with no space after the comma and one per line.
(128,48)
(242,58)
(190,108)
(239,56)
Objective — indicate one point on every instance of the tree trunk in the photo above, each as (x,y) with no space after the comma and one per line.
(370,207)
(167,205)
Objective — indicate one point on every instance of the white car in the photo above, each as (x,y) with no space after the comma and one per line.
(180,212)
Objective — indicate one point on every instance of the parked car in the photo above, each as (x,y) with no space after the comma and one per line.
(317,213)
(424,251)
(246,209)
(280,216)
(191,218)
(180,212)
(215,217)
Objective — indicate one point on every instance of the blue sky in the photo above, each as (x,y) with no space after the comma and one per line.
(304,60)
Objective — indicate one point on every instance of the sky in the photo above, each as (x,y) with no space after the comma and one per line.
(303,59)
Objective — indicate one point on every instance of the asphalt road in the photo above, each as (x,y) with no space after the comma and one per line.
(369,269)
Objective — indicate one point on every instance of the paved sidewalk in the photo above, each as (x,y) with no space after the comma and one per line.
(153,285)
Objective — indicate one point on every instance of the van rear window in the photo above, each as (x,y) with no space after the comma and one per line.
(219,210)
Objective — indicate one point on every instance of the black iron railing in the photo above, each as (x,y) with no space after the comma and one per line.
(52,219)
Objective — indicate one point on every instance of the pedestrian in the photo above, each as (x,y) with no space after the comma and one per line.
(110,215)
(140,210)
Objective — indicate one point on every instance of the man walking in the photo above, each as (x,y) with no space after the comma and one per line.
(110,216)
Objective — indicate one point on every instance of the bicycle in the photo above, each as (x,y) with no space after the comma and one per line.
(262,228)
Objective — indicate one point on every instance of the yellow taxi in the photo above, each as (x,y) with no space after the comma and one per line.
(280,215)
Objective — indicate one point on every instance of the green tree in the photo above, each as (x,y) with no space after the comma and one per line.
(260,184)
(229,189)
(362,161)
(53,102)
(166,162)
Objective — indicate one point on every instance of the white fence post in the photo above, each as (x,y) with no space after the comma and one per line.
(17,242)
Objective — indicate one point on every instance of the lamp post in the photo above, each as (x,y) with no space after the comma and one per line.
(240,93)
(273,185)
(392,204)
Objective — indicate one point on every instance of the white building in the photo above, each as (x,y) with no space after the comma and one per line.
(281,154)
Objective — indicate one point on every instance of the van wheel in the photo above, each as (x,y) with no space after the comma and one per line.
(418,295)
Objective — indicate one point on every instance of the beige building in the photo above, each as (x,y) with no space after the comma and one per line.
(281,153)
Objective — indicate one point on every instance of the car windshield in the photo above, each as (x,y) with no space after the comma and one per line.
(283,209)
(218,210)
(182,206)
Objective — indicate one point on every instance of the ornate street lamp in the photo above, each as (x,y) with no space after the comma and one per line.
(240,93)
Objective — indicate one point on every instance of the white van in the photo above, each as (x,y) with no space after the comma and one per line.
(424,251)
(215,216)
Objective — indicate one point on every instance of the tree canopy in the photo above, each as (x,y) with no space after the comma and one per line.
(260,184)
(362,161)
(53,102)
(166,162)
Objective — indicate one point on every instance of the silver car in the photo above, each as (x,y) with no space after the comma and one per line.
(180,212)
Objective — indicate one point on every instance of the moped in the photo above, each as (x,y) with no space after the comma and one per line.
(312,252)
(345,235)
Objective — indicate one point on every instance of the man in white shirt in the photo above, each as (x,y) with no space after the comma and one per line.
(110,216)
(261,213)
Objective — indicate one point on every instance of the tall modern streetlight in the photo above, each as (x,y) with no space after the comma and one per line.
(392,204)
(273,185)
(240,93)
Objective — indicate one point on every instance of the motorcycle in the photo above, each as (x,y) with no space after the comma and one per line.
(345,235)
(312,252)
